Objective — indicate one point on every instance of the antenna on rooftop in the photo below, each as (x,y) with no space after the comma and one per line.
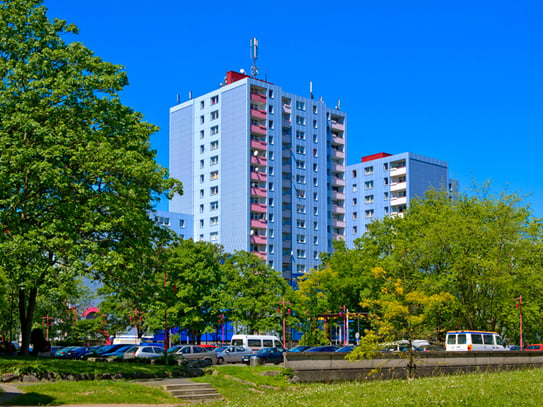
(311,90)
(254,56)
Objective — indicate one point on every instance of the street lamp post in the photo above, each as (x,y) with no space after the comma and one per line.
(284,319)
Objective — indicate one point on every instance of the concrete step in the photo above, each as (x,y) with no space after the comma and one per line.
(193,391)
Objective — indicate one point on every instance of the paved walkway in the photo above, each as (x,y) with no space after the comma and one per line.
(12,390)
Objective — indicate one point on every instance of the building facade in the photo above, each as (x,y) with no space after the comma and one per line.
(263,170)
(383,184)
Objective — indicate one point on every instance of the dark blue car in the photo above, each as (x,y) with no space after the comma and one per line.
(329,348)
(266,355)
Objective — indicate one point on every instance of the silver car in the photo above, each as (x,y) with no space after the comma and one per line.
(232,354)
(143,351)
(193,352)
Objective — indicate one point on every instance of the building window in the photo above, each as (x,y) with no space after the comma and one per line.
(300,149)
(214,220)
(315,210)
(201,193)
(270,155)
(202,119)
(315,167)
(300,179)
(315,152)
(368,199)
(385,166)
(300,164)
(315,225)
(202,149)
(270,186)
(201,238)
(315,125)
(181,223)
(315,182)
(300,238)
(385,181)
(215,130)
(201,134)
(271,233)
(300,208)
(300,193)
(355,187)
(385,196)
(355,215)
(270,249)
(300,268)
(214,145)
(215,99)
(214,205)
(386,210)
(271,202)
(201,223)
(270,170)
(368,185)
(162,220)
(202,163)
(354,173)
(201,208)
(300,223)
(300,253)
(355,230)
(315,255)
(315,109)
(270,109)
(300,120)
(270,93)
(214,115)
(214,175)
(201,178)
(300,105)
(270,217)
(369,213)
(315,240)
(300,135)
(214,236)
(270,124)
(202,104)
(214,160)
(315,138)
(315,196)
(355,201)
(368,170)
(214,190)
(270,139)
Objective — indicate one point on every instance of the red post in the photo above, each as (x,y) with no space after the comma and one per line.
(519,306)
(47,319)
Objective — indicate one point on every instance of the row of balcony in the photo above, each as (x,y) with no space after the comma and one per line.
(256,97)
(258,129)
(258,114)
(259,144)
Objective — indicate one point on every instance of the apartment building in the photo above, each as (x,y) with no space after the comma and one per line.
(263,171)
(383,184)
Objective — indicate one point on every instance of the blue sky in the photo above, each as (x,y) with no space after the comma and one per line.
(459,81)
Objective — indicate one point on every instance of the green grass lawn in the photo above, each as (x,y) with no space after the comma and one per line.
(255,387)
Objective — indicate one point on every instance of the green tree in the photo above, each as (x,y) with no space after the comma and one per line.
(254,293)
(77,173)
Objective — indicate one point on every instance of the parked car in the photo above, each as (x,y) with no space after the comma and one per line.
(534,348)
(117,353)
(193,352)
(232,354)
(347,348)
(514,347)
(62,352)
(328,348)
(300,348)
(135,352)
(78,353)
(266,355)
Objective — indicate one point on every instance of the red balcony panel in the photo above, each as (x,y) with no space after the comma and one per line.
(258,129)
(258,239)
(255,97)
(259,144)
(259,160)
(261,208)
(260,192)
(259,114)
(258,176)
(258,223)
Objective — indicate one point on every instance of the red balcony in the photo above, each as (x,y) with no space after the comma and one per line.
(258,176)
(260,192)
(258,129)
(262,255)
(338,126)
(261,208)
(260,161)
(337,140)
(340,196)
(258,114)
(258,239)
(258,223)
(255,97)
(258,144)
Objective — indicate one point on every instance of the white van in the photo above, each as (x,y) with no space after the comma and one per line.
(256,342)
(473,340)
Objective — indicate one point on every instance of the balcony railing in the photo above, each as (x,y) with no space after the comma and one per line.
(287,108)
(258,223)
(338,209)
(255,97)
(337,153)
(338,126)
(262,255)
(258,176)
(257,113)
(395,172)
(257,207)
(338,236)
(261,161)
(259,144)
(258,129)
(400,200)
(338,140)
(338,195)
(398,186)
(258,239)
(338,182)
(336,223)
(338,167)
(260,192)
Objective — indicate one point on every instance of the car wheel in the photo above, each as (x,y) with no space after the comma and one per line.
(263,361)
(220,361)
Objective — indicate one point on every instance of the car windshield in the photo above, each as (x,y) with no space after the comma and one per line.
(264,350)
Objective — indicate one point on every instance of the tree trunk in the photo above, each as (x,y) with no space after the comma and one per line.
(26,315)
